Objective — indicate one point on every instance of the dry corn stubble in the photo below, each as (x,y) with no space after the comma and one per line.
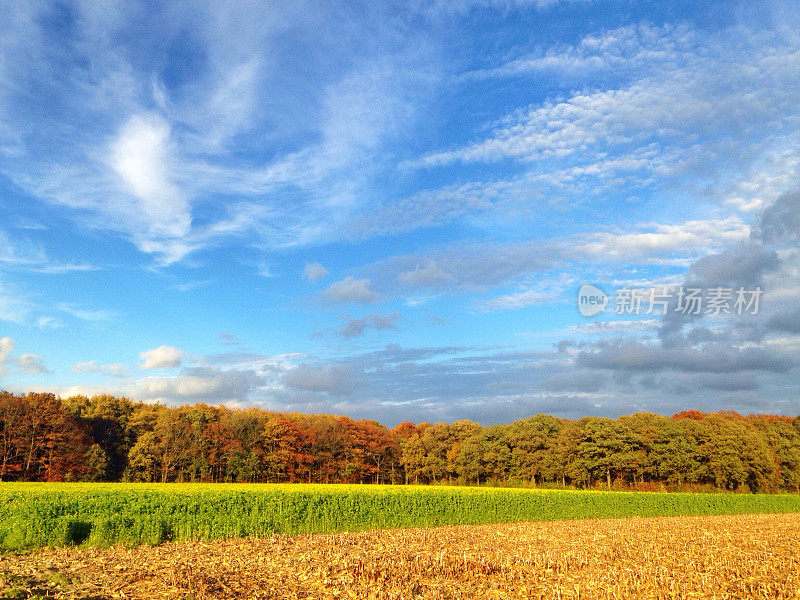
(745,556)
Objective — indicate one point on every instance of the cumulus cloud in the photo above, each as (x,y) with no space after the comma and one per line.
(351,289)
(662,122)
(88,366)
(31,363)
(314,271)
(680,119)
(6,348)
(163,357)
(91,366)
(200,384)
(354,328)
(728,382)
(26,363)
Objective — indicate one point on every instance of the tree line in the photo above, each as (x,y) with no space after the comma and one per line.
(107,438)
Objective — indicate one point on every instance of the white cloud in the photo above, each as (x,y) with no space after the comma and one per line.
(163,357)
(188,286)
(518,300)
(27,363)
(479,266)
(15,307)
(612,327)
(84,314)
(160,161)
(31,363)
(19,306)
(91,366)
(661,110)
(171,179)
(706,86)
(685,237)
(425,274)
(116,369)
(200,384)
(314,271)
(141,156)
(6,348)
(28,256)
(350,289)
(625,50)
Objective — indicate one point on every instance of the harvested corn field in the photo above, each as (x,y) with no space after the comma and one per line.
(744,556)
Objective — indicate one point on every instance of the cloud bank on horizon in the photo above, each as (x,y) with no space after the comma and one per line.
(387,212)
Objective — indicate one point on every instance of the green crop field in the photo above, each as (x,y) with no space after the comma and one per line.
(35,515)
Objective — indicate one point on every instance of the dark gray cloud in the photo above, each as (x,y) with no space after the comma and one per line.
(575,381)
(743,265)
(786,322)
(498,385)
(711,358)
(329,379)
(780,222)
(687,385)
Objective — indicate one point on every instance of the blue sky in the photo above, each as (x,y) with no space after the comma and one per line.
(387,211)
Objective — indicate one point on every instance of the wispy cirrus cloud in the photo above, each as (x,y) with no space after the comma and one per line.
(482,266)
(660,105)
(30,257)
(661,110)
(141,147)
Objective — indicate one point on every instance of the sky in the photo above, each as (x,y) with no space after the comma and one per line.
(387,210)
